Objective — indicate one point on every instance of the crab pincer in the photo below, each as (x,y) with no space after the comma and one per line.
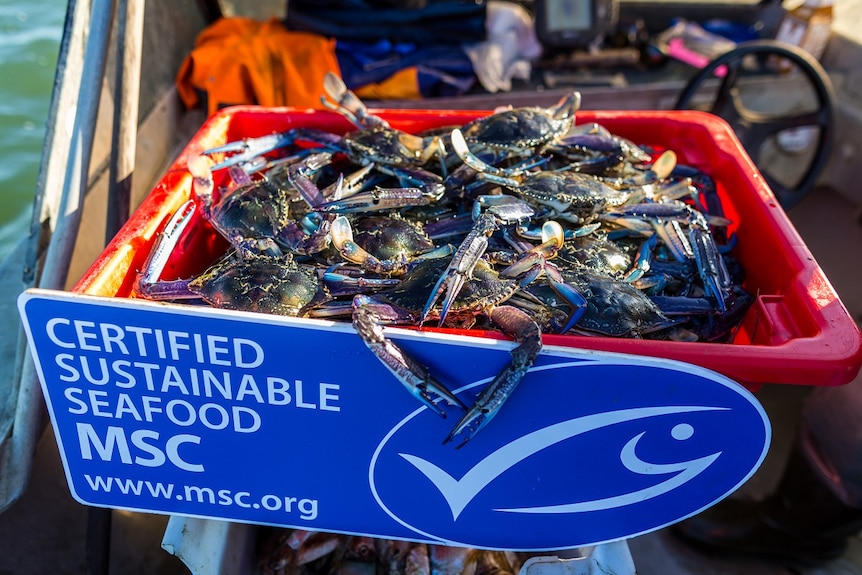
(414,377)
(148,284)
(527,333)
(461,267)
(504,211)
(710,265)
(347,103)
(534,262)
(424,189)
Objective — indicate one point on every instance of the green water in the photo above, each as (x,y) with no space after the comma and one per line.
(30,34)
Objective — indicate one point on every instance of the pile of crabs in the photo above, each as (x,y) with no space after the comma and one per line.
(520,221)
(300,552)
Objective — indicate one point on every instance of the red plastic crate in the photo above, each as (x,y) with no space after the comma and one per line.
(797,331)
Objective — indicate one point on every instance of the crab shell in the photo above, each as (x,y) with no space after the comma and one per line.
(262,284)
(522,129)
(390,236)
(615,308)
(580,196)
(260,209)
(384,145)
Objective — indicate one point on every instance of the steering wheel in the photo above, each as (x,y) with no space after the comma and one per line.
(754,128)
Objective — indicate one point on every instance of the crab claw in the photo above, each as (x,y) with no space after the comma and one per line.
(502,210)
(459,145)
(664,165)
(299,175)
(414,377)
(342,239)
(347,103)
(202,177)
(518,324)
(531,263)
(461,267)
(379,199)
(567,107)
(148,284)
(710,265)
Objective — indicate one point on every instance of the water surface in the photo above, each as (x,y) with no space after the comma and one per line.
(30,34)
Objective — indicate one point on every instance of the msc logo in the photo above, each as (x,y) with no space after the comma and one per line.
(583,453)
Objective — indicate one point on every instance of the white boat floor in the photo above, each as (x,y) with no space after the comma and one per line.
(45,531)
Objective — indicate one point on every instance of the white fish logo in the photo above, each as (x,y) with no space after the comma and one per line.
(458,493)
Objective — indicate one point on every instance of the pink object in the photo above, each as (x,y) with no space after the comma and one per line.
(676,48)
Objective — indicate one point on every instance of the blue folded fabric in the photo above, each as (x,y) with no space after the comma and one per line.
(442,70)
(426,22)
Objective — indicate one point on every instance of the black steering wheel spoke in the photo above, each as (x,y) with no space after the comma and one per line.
(754,128)
(726,100)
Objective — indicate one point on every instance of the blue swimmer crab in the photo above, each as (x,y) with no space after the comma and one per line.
(611,307)
(520,131)
(254,215)
(633,179)
(669,220)
(593,149)
(569,195)
(614,307)
(381,244)
(258,282)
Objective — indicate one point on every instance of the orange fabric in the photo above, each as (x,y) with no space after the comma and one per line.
(401,85)
(244,61)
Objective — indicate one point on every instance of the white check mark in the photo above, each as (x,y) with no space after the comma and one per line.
(459,492)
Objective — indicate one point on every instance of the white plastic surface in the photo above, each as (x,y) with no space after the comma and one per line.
(209,546)
(600,560)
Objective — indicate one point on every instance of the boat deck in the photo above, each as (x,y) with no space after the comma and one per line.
(45,531)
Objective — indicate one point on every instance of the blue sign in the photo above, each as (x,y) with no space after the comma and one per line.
(194,411)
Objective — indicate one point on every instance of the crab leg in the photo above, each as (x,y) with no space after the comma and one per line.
(657,172)
(698,244)
(299,176)
(525,331)
(149,285)
(367,318)
(642,261)
(380,199)
(250,149)
(710,264)
(298,238)
(533,263)
(426,188)
(202,179)
(346,284)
